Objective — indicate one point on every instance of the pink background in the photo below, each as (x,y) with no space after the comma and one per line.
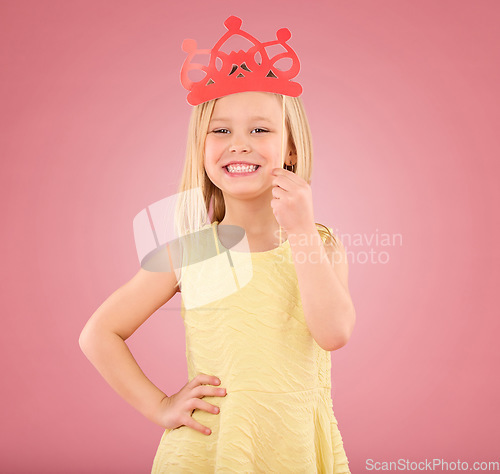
(402,97)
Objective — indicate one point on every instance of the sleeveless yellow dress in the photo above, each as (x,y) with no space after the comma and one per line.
(245,324)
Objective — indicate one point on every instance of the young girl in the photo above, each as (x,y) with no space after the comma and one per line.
(260,324)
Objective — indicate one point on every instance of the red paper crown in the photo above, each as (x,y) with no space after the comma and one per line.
(240,71)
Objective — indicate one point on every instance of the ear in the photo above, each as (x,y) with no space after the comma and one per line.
(292,156)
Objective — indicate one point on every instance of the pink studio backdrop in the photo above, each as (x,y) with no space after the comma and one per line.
(402,98)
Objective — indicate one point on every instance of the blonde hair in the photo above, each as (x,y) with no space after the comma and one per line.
(192,214)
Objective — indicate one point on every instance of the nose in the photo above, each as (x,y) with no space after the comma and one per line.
(239,145)
(239,148)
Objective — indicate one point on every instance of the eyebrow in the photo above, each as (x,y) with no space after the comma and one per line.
(224,119)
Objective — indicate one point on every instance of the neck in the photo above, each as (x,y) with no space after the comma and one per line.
(255,216)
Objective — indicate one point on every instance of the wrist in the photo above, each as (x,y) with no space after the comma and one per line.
(156,414)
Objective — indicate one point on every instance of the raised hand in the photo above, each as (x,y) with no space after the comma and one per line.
(292,201)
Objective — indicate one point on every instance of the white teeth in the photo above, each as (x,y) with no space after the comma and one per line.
(241,168)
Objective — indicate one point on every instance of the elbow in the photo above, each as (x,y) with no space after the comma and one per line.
(84,340)
(92,338)
(336,343)
(87,338)
(341,337)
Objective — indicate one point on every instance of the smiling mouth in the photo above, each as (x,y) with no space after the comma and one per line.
(241,170)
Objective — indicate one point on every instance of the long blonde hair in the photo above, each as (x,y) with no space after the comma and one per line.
(192,214)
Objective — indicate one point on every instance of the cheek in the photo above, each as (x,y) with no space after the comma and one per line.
(211,159)
(271,149)
(212,150)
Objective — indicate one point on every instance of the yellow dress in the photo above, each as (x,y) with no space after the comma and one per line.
(277,415)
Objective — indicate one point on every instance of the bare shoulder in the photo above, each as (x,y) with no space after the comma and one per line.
(134,302)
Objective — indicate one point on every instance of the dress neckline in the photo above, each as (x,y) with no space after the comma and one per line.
(215,225)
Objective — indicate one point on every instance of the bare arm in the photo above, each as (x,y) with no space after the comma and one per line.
(102,340)
(322,273)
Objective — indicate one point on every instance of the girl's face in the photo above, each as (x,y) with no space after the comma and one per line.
(244,128)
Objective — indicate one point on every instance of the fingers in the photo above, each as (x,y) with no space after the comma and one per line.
(192,423)
(205,406)
(199,389)
(208,391)
(201,405)
(279,193)
(203,386)
(204,379)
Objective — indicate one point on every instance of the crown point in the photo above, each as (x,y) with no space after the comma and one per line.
(189,45)
(283,34)
(233,23)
